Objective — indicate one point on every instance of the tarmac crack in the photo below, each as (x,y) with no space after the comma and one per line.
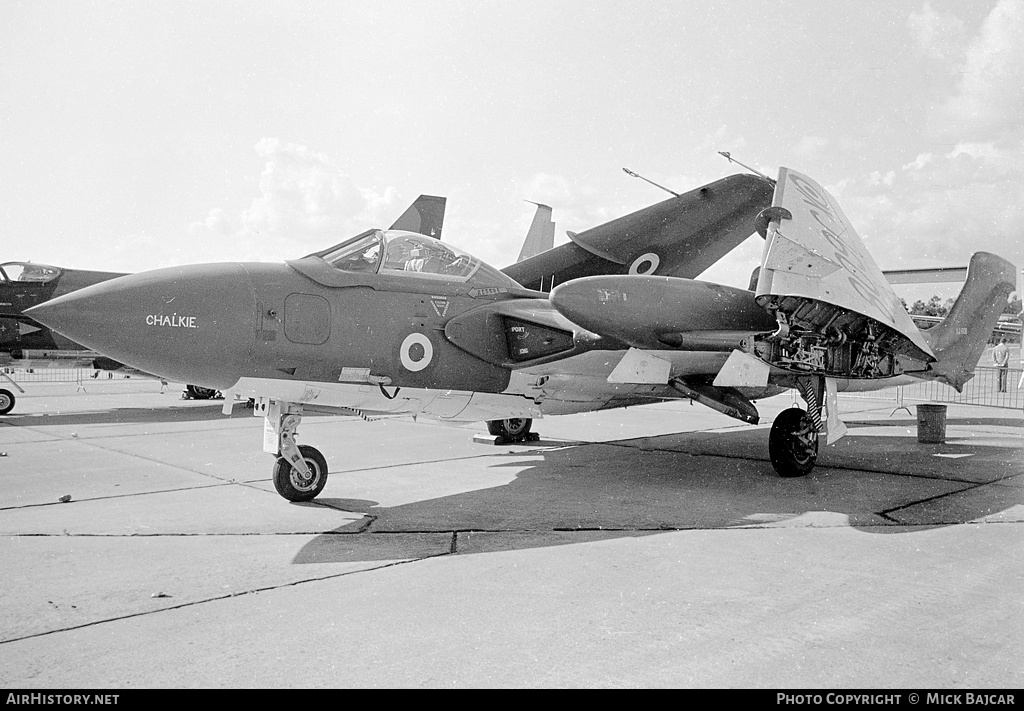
(973,486)
(92,443)
(117,496)
(217,598)
(453,548)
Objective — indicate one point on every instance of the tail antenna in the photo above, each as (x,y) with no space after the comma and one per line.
(728,157)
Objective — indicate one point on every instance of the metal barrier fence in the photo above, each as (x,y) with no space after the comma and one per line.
(982,389)
(65,375)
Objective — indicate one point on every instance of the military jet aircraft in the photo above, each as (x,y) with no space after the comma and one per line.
(25,284)
(390,322)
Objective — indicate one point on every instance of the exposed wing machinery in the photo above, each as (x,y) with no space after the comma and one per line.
(836,314)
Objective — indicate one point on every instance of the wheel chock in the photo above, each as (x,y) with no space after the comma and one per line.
(498,440)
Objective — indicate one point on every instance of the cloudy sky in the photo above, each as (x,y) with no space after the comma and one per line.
(136,135)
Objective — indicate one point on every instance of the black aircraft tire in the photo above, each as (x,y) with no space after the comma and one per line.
(6,401)
(790,454)
(289,483)
(514,429)
(197,392)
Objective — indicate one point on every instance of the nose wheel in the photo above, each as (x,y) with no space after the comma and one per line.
(300,471)
(793,443)
(296,485)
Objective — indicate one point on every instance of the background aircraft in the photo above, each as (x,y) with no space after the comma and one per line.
(541,235)
(28,343)
(392,322)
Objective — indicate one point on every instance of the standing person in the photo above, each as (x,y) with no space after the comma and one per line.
(1001,358)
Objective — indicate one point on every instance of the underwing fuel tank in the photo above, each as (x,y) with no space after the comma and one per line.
(663,312)
(193,324)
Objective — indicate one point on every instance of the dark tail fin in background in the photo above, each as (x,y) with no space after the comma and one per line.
(425,216)
(960,339)
(541,236)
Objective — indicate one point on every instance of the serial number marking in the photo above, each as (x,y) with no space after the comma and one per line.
(846,252)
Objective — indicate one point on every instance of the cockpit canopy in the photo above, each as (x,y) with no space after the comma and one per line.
(400,253)
(27,272)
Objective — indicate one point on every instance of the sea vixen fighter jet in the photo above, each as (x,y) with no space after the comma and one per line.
(25,284)
(392,322)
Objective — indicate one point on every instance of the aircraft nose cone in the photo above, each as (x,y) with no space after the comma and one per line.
(193,324)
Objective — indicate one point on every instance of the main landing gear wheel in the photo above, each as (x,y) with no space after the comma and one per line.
(6,401)
(793,443)
(197,392)
(514,429)
(292,485)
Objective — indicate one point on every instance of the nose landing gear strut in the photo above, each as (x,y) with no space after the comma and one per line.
(300,471)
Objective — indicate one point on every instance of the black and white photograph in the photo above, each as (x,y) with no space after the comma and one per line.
(457,344)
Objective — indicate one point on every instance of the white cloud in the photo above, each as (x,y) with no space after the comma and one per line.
(990,94)
(969,200)
(547,188)
(947,204)
(305,203)
(217,220)
(937,36)
(811,146)
(723,140)
(921,161)
(877,178)
(984,151)
(303,194)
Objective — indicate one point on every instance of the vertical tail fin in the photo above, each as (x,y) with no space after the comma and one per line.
(960,339)
(541,236)
(425,215)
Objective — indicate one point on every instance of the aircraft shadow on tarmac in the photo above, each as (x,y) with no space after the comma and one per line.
(688,481)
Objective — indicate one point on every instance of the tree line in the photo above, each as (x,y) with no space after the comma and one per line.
(937,307)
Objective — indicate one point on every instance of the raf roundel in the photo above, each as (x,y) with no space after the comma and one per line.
(645,264)
(416,352)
